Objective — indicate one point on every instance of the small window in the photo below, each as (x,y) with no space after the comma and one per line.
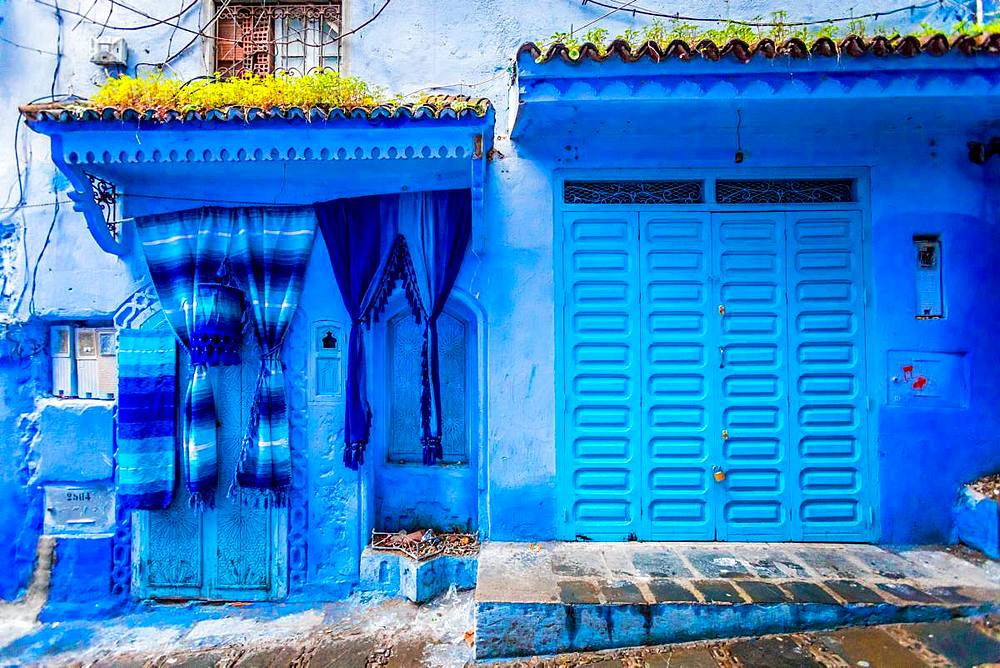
(405,341)
(288,37)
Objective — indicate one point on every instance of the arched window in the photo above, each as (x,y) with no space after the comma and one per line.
(404,343)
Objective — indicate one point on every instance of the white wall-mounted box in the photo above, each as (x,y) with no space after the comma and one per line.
(63,361)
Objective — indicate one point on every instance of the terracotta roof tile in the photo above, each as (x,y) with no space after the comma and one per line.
(825,47)
(439,108)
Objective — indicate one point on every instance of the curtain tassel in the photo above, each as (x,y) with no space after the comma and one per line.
(354,454)
(199,501)
(432,449)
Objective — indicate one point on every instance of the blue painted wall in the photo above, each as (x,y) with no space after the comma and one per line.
(920,182)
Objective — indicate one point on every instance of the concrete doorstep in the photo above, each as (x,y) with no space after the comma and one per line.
(550,598)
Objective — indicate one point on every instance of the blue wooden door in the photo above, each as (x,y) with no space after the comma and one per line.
(750,390)
(696,343)
(833,484)
(678,333)
(602,478)
(232,552)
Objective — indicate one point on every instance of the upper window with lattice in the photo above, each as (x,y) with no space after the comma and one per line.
(265,37)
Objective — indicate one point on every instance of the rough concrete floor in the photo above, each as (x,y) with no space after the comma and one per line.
(388,633)
(399,634)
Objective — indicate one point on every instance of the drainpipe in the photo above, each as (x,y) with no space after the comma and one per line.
(980,13)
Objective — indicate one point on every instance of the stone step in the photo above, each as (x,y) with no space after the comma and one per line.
(550,598)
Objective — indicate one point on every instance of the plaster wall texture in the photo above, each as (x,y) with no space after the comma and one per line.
(65,428)
(920,179)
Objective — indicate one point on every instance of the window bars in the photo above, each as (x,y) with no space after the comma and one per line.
(633,192)
(784,191)
(287,37)
(727,191)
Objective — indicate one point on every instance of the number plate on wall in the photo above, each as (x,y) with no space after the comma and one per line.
(79,509)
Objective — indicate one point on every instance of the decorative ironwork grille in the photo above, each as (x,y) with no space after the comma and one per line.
(287,37)
(784,191)
(633,192)
(106,196)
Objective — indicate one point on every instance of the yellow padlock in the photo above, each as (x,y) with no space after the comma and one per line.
(725,434)
(719,475)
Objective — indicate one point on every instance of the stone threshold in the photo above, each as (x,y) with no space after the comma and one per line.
(550,598)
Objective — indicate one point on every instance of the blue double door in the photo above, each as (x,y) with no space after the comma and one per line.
(233,551)
(714,377)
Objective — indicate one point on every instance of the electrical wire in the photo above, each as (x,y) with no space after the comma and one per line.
(79,21)
(601,18)
(59,38)
(156,22)
(461,84)
(761,24)
(38,260)
(170,58)
(27,48)
(201,32)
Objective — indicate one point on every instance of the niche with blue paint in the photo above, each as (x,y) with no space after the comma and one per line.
(407,494)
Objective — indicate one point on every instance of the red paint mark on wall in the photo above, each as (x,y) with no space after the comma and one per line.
(920,383)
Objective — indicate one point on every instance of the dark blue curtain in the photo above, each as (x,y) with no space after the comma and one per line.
(359,234)
(445,228)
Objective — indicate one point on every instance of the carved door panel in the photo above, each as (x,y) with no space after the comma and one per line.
(230,552)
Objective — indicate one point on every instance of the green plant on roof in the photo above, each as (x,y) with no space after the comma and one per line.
(778,29)
(323,90)
(156,91)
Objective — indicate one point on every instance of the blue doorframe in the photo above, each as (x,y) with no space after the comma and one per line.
(563,244)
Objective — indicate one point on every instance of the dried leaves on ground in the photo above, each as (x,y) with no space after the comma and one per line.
(988,486)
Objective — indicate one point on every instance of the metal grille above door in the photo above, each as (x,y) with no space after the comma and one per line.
(633,192)
(726,191)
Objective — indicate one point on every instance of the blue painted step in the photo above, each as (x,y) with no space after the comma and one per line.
(548,598)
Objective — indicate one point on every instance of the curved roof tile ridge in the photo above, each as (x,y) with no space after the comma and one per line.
(433,107)
(854,46)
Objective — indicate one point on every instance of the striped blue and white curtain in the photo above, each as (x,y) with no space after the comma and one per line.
(205,264)
(184,250)
(271,251)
